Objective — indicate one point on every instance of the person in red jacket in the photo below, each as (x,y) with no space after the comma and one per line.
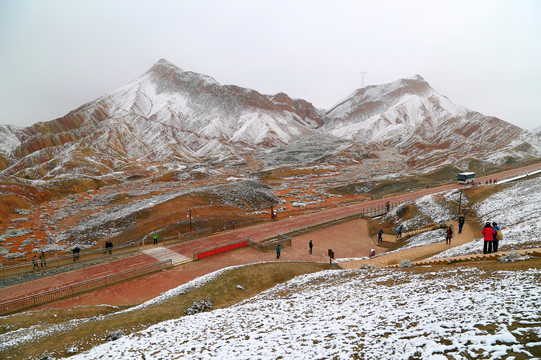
(489,234)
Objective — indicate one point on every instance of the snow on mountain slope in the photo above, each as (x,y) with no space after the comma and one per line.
(380,112)
(169,118)
(423,124)
(193,102)
(8,140)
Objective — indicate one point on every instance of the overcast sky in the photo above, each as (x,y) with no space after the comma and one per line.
(56,55)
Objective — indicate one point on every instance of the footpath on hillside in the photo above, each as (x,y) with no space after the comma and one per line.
(350,239)
(415,253)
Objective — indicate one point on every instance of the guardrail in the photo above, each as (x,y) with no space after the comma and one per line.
(26,302)
(170,240)
(65,259)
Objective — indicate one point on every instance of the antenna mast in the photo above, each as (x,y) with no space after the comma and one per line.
(363,74)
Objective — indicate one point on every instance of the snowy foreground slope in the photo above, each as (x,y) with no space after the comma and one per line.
(459,313)
(365,314)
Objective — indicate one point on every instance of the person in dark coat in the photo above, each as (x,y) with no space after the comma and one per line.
(488,233)
(380,235)
(109,246)
(278,251)
(461,221)
(76,252)
(310,245)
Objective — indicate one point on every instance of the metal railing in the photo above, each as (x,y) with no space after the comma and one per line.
(65,258)
(26,302)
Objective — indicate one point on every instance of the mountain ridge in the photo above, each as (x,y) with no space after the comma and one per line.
(170,118)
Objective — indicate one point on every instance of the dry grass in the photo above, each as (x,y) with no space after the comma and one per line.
(479,193)
(273,175)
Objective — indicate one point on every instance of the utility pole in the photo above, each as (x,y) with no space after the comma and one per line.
(460,203)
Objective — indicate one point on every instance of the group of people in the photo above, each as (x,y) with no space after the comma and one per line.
(42,259)
(492,234)
(279,249)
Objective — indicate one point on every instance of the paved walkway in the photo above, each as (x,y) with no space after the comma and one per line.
(348,240)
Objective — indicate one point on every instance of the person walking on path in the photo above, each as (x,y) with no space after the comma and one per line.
(278,250)
(489,234)
(310,245)
(497,236)
(35,263)
(42,258)
(380,235)
(461,220)
(399,232)
(449,236)
(76,252)
(109,246)
(155,239)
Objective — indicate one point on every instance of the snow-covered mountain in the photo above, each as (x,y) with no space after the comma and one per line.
(384,112)
(166,115)
(410,115)
(168,119)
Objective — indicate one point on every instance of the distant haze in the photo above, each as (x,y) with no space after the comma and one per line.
(59,54)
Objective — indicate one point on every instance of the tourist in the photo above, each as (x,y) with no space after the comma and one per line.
(76,252)
(278,251)
(109,246)
(497,236)
(380,235)
(461,221)
(488,233)
(42,258)
(310,245)
(35,263)
(449,236)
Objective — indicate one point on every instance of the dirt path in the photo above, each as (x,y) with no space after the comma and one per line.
(416,253)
